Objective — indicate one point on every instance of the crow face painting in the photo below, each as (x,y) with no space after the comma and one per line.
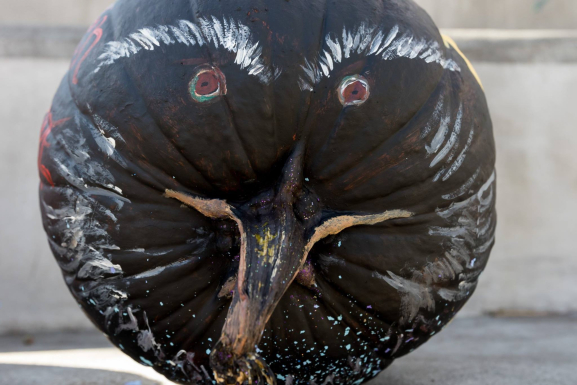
(259,192)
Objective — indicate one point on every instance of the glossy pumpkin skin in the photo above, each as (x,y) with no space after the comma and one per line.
(404,129)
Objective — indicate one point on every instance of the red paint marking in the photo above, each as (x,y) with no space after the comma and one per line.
(95,31)
(46,174)
(47,127)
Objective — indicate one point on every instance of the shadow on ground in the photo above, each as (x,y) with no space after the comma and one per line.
(52,375)
(53,341)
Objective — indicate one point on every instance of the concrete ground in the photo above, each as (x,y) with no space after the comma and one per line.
(471,351)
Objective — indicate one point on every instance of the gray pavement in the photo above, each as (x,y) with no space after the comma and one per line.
(493,351)
(470,351)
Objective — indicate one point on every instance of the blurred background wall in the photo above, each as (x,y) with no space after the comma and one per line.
(526,54)
(509,14)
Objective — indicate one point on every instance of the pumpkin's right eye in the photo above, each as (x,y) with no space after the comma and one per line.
(354,90)
(207,84)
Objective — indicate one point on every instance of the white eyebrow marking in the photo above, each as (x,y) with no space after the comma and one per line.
(229,34)
(367,40)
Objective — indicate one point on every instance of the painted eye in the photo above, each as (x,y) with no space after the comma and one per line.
(354,90)
(207,84)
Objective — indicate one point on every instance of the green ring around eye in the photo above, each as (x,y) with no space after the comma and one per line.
(207,85)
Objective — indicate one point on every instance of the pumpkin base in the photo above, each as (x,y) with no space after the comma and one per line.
(248,369)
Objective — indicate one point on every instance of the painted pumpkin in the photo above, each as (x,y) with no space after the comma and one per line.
(258,192)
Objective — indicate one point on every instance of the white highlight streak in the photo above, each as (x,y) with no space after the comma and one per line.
(158,270)
(461,191)
(461,158)
(452,140)
(440,135)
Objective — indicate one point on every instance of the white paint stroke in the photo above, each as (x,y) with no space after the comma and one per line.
(464,188)
(369,40)
(435,118)
(414,295)
(156,271)
(229,34)
(103,296)
(82,236)
(486,186)
(485,246)
(452,139)
(468,235)
(439,174)
(105,135)
(471,226)
(439,137)
(325,261)
(75,164)
(461,158)
(99,268)
(463,291)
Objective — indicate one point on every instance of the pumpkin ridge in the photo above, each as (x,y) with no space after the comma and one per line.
(337,311)
(347,262)
(134,277)
(92,191)
(332,135)
(270,94)
(338,289)
(169,140)
(231,117)
(193,338)
(281,335)
(395,135)
(307,127)
(166,319)
(206,178)
(239,137)
(137,169)
(228,109)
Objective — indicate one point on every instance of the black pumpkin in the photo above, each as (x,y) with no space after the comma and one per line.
(247,192)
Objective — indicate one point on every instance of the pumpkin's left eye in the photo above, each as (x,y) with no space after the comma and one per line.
(207,84)
(354,90)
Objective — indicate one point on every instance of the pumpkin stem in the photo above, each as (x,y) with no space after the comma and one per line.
(272,253)
(276,237)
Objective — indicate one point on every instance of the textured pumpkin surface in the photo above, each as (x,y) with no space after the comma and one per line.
(311,183)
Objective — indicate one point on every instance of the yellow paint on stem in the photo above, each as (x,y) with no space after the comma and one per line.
(450,43)
(264,245)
